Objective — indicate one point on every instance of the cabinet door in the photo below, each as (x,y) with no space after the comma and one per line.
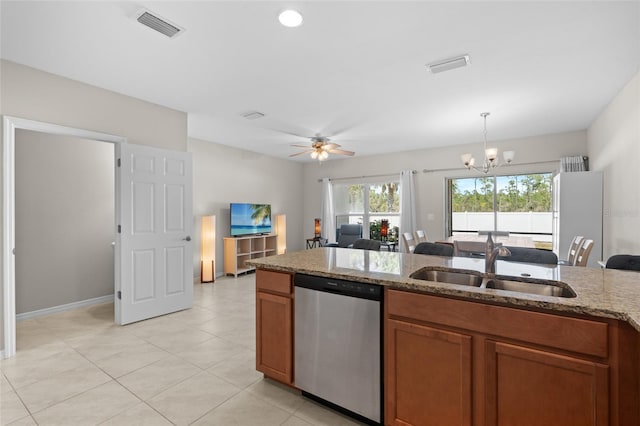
(428,375)
(531,387)
(274,342)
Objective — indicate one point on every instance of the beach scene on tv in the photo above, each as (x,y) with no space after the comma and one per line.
(247,219)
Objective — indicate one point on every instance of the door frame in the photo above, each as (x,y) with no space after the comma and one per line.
(9,127)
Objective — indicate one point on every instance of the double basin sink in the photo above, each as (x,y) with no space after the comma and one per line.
(477,279)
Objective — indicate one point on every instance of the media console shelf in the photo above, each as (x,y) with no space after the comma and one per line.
(237,250)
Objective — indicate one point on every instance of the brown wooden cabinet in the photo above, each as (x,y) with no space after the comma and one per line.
(532,387)
(274,325)
(457,362)
(432,375)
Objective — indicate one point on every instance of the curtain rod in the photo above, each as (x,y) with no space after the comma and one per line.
(462,168)
(368,176)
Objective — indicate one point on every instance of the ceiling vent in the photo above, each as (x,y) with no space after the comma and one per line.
(252,115)
(449,64)
(158,24)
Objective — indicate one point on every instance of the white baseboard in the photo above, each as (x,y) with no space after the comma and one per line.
(62,308)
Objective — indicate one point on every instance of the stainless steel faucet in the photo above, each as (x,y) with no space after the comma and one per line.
(491,254)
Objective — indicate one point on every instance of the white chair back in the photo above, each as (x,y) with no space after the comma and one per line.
(421,236)
(409,242)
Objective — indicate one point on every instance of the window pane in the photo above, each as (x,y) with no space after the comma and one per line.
(384,197)
(524,206)
(348,200)
(472,204)
(383,202)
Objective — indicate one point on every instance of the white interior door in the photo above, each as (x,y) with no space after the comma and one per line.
(154,252)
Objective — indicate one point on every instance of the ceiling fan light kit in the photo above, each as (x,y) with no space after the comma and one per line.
(320,148)
(290,18)
(491,160)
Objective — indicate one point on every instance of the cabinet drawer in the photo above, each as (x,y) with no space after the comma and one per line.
(274,282)
(571,334)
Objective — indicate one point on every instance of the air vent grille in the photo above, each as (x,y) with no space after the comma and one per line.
(449,64)
(252,115)
(158,24)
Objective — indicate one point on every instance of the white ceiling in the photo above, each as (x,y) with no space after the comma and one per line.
(355,70)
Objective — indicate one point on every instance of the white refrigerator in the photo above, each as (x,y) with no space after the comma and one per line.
(577,210)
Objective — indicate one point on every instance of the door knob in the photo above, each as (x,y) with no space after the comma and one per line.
(188,238)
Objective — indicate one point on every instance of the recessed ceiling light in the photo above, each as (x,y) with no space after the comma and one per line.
(290,18)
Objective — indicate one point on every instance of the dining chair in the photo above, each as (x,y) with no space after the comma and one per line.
(626,262)
(530,255)
(434,249)
(582,256)
(409,241)
(365,244)
(421,236)
(462,248)
(575,245)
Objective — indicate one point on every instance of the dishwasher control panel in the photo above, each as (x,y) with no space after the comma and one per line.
(344,287)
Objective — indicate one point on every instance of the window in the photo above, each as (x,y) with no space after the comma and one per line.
(520,204)
(368,204)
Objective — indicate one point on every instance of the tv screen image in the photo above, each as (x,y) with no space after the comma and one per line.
(250,219)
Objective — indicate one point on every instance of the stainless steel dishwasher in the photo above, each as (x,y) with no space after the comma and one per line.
(338,345)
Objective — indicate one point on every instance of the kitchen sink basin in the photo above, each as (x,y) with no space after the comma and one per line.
(461,278)
(477,279)
(542,288)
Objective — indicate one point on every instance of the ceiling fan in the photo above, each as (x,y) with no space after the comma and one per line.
(320,148)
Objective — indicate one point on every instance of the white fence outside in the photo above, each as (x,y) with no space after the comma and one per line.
(514,222)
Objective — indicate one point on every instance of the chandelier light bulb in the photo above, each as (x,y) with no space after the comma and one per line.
(508,156)
(467,160)
(491,154)
(314,154)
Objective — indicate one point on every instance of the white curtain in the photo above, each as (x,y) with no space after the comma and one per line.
(573,164)
(407,204)
(328,217)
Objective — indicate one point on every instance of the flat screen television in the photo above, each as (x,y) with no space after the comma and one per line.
(250,219)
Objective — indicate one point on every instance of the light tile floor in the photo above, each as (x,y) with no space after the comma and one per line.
(191,367)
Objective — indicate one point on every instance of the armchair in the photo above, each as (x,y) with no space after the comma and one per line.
(348,235)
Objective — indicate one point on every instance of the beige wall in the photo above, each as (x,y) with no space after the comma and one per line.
(32,94)
(222,175)
(614,148)
(430,186)
(64,220)
(36,95)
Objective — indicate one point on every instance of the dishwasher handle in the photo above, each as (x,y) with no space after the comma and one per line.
(341,287)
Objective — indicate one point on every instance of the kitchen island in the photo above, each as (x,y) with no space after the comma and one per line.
(459,354)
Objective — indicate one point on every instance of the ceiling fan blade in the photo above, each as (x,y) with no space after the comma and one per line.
(341,152)
(334,130)
(297,145)
(330,146)
(301,153)
(291,133)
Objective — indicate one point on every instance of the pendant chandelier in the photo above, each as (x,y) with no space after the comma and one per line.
(491,160)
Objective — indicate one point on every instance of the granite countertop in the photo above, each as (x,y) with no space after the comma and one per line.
(605,293)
